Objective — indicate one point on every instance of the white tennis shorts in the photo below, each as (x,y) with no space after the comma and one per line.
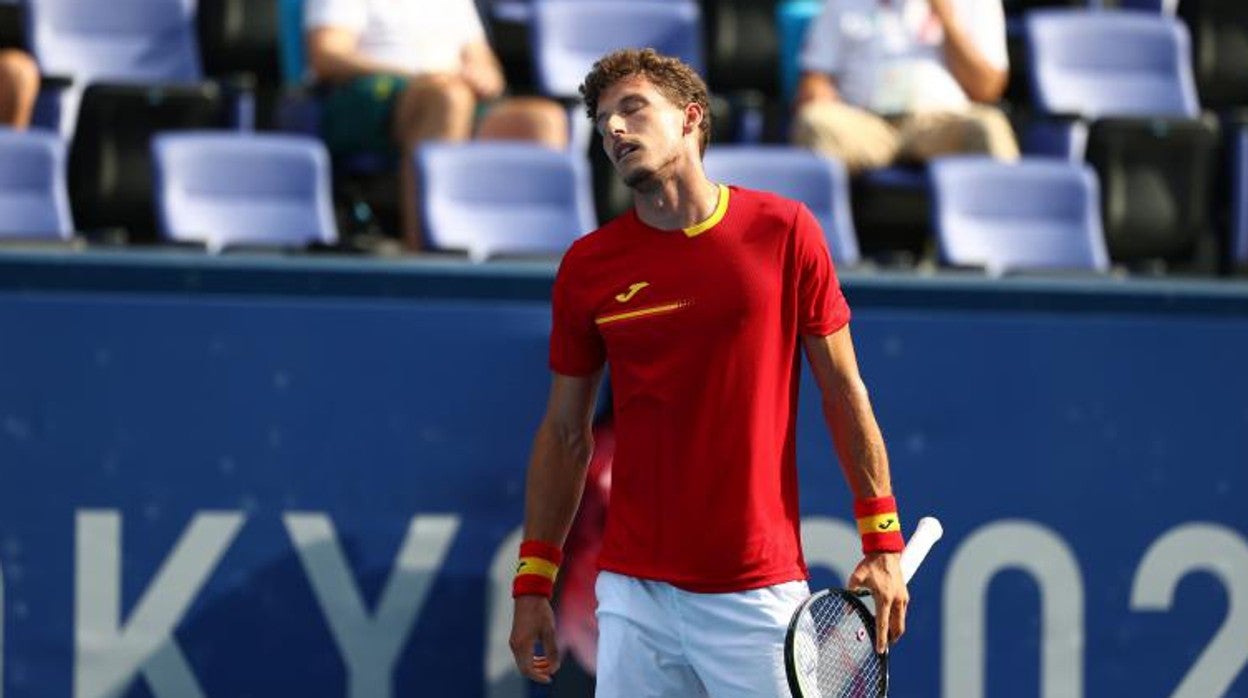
(658,641)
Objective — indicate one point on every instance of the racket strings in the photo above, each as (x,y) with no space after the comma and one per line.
(839,653)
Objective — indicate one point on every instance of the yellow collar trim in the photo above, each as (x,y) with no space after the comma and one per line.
(716,216)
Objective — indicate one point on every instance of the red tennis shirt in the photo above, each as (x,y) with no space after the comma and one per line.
(700,327)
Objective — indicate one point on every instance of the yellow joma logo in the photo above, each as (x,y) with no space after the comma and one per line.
(886,525)
(632,291)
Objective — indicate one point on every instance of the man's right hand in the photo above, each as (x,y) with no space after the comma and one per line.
(814,87)
(534,622)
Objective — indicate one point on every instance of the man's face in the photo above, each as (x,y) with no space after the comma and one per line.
(642,131)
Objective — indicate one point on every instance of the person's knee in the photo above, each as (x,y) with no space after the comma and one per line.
(19,72)
(435,103)
(527,118)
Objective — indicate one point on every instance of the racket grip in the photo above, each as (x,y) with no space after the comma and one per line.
(925,535)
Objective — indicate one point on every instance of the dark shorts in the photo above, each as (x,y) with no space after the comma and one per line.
(357,116)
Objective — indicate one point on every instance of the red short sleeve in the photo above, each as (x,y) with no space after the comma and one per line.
(822,308)
(576,347)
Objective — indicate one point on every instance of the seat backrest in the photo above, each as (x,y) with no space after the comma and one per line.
(797,173)
(34,203)
(226,188)
(241,37)
(1239,200)
(1033,214)
(793,17)
(503,197)
(1219,50)
(742,44)
(1110,63)
(117,40)
(110,173)
(568,36)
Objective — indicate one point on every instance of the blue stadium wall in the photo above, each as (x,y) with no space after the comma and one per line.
(240,476)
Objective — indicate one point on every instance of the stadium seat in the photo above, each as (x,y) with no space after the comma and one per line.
(1219,31)
(110,171)
(492,198)
(569,36)
(742,63)
(1036,213)
(120,40)
(1125,80)
(1095,64)
(240,45)
(792,18)
(135,66)
(34,203)
(225,189)
(1239,202)
(817,181)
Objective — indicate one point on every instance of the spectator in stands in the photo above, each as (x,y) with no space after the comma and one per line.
(403,72)
(904,80)
(19,84)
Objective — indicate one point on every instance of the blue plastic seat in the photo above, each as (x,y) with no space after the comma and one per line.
(1110,63)
(1033,214)
(797,173)
(490,198)
(569,35)
(118,40)
(227,189)
(1239,201)
(34,203)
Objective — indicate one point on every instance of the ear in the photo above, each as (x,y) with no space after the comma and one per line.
(694,114)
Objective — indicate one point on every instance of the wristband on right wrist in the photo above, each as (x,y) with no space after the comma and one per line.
(879,525)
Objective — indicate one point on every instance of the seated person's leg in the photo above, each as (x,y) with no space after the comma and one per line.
(433,107)
(526,118)
(19,85)
(859,138)
(981,129)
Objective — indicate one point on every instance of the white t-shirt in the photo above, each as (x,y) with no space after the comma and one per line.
(413,36)
(888,55)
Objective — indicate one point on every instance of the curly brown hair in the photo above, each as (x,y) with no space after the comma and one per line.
(674,78)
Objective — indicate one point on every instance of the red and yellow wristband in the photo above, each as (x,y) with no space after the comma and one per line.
(879,525)
(537,569)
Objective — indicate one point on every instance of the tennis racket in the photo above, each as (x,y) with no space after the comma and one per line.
(829,649)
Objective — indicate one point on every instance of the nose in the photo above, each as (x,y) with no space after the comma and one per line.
(615,124)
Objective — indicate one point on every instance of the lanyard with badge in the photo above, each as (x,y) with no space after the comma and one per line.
(899,26)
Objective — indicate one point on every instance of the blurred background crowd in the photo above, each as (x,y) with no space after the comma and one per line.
(1003,136)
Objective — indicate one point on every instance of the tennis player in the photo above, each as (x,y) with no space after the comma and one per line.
(699,298)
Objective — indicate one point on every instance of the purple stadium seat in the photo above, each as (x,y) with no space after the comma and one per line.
(798,173)
(227,189)
(492,198)
(33,199)
(1033,214)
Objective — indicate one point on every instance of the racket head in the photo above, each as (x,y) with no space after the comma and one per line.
(829,649)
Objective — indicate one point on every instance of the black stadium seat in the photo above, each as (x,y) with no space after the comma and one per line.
(1219,31)
(110,170)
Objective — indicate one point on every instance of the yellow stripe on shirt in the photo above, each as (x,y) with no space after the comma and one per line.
(721,207)
(640,312)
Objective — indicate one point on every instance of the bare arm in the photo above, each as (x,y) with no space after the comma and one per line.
(815,87)
(864,461)
(982,81)
(482,71)
(561,452)
(333,56)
